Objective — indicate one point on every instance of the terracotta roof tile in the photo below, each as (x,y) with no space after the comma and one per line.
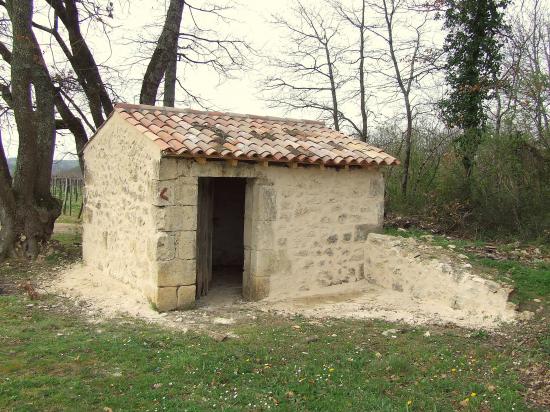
(187,132)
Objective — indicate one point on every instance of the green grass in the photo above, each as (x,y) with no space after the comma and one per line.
(50,362)
(530,282)
(71,214)
(52,359)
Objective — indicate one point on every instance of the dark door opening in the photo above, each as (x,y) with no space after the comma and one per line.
(220,229)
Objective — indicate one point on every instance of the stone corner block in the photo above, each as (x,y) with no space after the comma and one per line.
(186,192)
(168,168)
(87,214)
(263,263)
(163,247)
(176,272)
(266,206)
(258,235)
(255,287)
(166,299)
(174,218)
(362,231)
(261,202)
(186,296)
(163,192)
(186,244)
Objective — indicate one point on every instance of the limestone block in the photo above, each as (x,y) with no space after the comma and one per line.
(246,264)
(166,299)
(376,187)
(255,287)
(186,244)
(163,247)
(176,272)
(259,235)
(362,231)
(184,167)
(266,204)
(186,296)
(164,193)
(266,262)
(259,263)
(186,191)
(175,218)
(260,201)
(168,168)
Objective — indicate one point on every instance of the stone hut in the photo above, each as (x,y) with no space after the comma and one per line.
(180,201)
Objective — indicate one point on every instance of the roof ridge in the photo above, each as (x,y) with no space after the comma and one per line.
(211,112)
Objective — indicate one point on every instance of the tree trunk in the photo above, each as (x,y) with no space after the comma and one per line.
(163,53)
(498,115)
(7,207)
(83,61)
(28,210)
(405,90)
(74,124)
(335,114)
(407,159)
(362,86)
(170,79)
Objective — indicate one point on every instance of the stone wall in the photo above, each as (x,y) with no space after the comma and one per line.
(304,227)
(117,218)
(428,274)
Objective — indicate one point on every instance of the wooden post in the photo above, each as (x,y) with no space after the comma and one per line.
(64,207)
(70,197)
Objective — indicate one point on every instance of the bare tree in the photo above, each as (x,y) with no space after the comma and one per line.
(308,76)
(194,45)
(35,91)
(409,61)
(357,18)
(524,94)
(81,57)
(163,56)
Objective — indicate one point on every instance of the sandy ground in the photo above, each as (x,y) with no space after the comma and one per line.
(102,297)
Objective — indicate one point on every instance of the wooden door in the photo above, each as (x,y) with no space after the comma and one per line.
(205,209)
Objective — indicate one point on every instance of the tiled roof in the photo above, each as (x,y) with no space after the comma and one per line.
(216,135)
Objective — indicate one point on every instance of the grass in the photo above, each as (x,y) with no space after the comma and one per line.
(71,214)
(530,282)
(51,362)
(52,359)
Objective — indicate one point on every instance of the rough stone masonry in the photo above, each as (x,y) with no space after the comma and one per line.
(304,227)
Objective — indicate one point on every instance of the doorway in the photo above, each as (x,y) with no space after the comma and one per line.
(220,231)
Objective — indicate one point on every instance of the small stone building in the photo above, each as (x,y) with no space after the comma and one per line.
(181,201)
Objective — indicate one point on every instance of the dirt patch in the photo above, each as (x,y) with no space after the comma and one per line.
(536,379)
(102,297)
(363,300)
